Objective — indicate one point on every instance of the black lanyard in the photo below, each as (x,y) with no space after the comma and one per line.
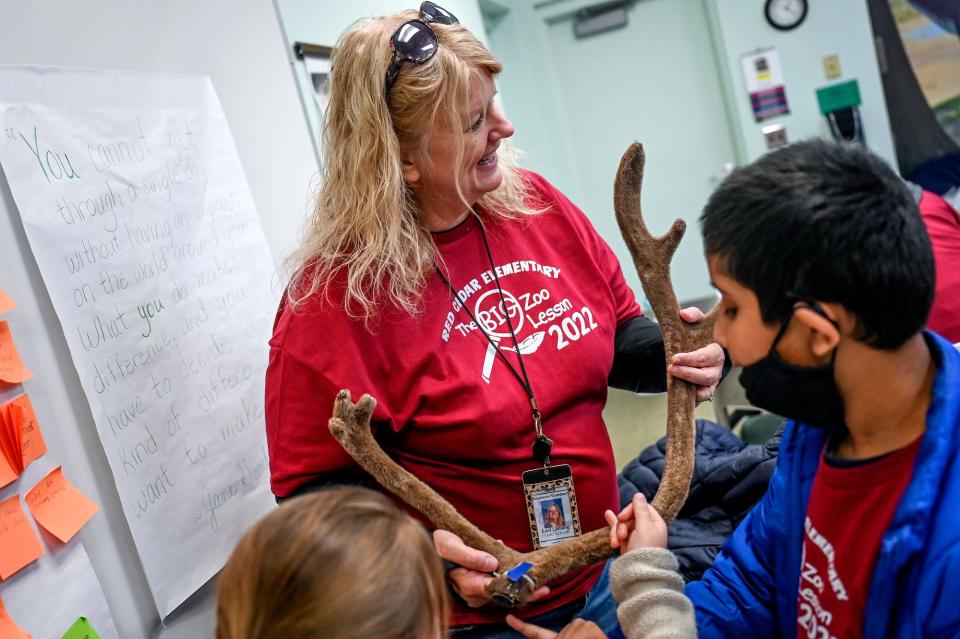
(542,445)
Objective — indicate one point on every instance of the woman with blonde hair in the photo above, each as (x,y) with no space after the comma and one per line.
(471,298)
(341,564)
(553,517)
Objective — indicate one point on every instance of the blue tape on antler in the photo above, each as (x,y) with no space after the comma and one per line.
(517,572)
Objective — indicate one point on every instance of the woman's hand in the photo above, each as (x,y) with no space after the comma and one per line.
(639,524)
(577,629)
(703,367)
(472,574)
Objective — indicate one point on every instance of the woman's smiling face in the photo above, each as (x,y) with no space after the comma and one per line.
(553,515)
(435,178)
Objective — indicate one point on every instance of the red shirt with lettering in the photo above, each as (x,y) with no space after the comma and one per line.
(851,506)
(448,410)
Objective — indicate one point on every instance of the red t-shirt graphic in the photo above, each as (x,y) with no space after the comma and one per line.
(849,510)
(449,410)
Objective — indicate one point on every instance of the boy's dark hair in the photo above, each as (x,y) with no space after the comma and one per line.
(831,222)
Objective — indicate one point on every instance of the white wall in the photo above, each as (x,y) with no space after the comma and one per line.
(578,102)
(537,95)
(240,46)
(839,27)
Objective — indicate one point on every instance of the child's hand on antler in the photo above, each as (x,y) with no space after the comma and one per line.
(639,525)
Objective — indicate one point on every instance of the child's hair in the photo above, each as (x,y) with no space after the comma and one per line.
(830,222)
(343,563)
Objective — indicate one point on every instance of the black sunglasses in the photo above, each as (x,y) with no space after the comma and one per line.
(414,40)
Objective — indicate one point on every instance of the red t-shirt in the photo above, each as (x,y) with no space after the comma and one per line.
(848,513)
(445,411)
(943,226)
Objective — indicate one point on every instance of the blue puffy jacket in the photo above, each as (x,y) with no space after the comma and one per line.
(751,590)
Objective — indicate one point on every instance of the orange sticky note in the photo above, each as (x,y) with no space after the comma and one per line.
(9,466)
(8,627)
(7,472)
(6,305)
(23,421)
(19,544)
(11,367)
(10,442)
(59,506)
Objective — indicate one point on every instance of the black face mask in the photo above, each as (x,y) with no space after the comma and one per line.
(807,394)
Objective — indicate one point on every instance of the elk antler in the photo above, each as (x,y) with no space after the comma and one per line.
(350,423)
(651,256)
(350,426)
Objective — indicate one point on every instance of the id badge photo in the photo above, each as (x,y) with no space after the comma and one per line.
(551,505)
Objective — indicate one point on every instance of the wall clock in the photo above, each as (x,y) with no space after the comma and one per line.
(785,14)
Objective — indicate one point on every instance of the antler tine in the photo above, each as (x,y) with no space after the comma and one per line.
(350,425)
(652,256)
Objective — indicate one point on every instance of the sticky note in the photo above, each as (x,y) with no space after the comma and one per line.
(19,544)
(9,461)
(11,367)
(8,627)
(20,439)
(24,423)
(81,629)
(7,471)
(6,304)
(59,506)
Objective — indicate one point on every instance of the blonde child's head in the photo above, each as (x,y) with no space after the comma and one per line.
(341,564)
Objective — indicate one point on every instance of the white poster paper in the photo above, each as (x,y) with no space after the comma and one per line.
(136,207)
(46,597)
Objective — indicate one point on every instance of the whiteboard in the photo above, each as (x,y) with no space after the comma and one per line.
(239,45)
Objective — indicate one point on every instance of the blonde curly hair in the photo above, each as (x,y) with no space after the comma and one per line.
(365,226)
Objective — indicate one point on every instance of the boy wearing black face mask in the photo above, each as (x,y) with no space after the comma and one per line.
(826,276)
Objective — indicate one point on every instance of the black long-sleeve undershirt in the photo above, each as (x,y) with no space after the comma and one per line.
(639,361)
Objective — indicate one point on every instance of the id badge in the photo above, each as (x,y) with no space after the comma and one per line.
(551,505)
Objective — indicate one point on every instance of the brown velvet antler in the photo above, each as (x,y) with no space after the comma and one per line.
(651,256)
(350,424)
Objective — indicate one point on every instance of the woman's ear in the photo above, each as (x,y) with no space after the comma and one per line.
(824,332)
(411,168)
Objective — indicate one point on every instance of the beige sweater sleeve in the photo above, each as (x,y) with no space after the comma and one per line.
(649,590)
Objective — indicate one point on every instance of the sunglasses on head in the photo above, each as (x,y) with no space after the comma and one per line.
(414,40)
